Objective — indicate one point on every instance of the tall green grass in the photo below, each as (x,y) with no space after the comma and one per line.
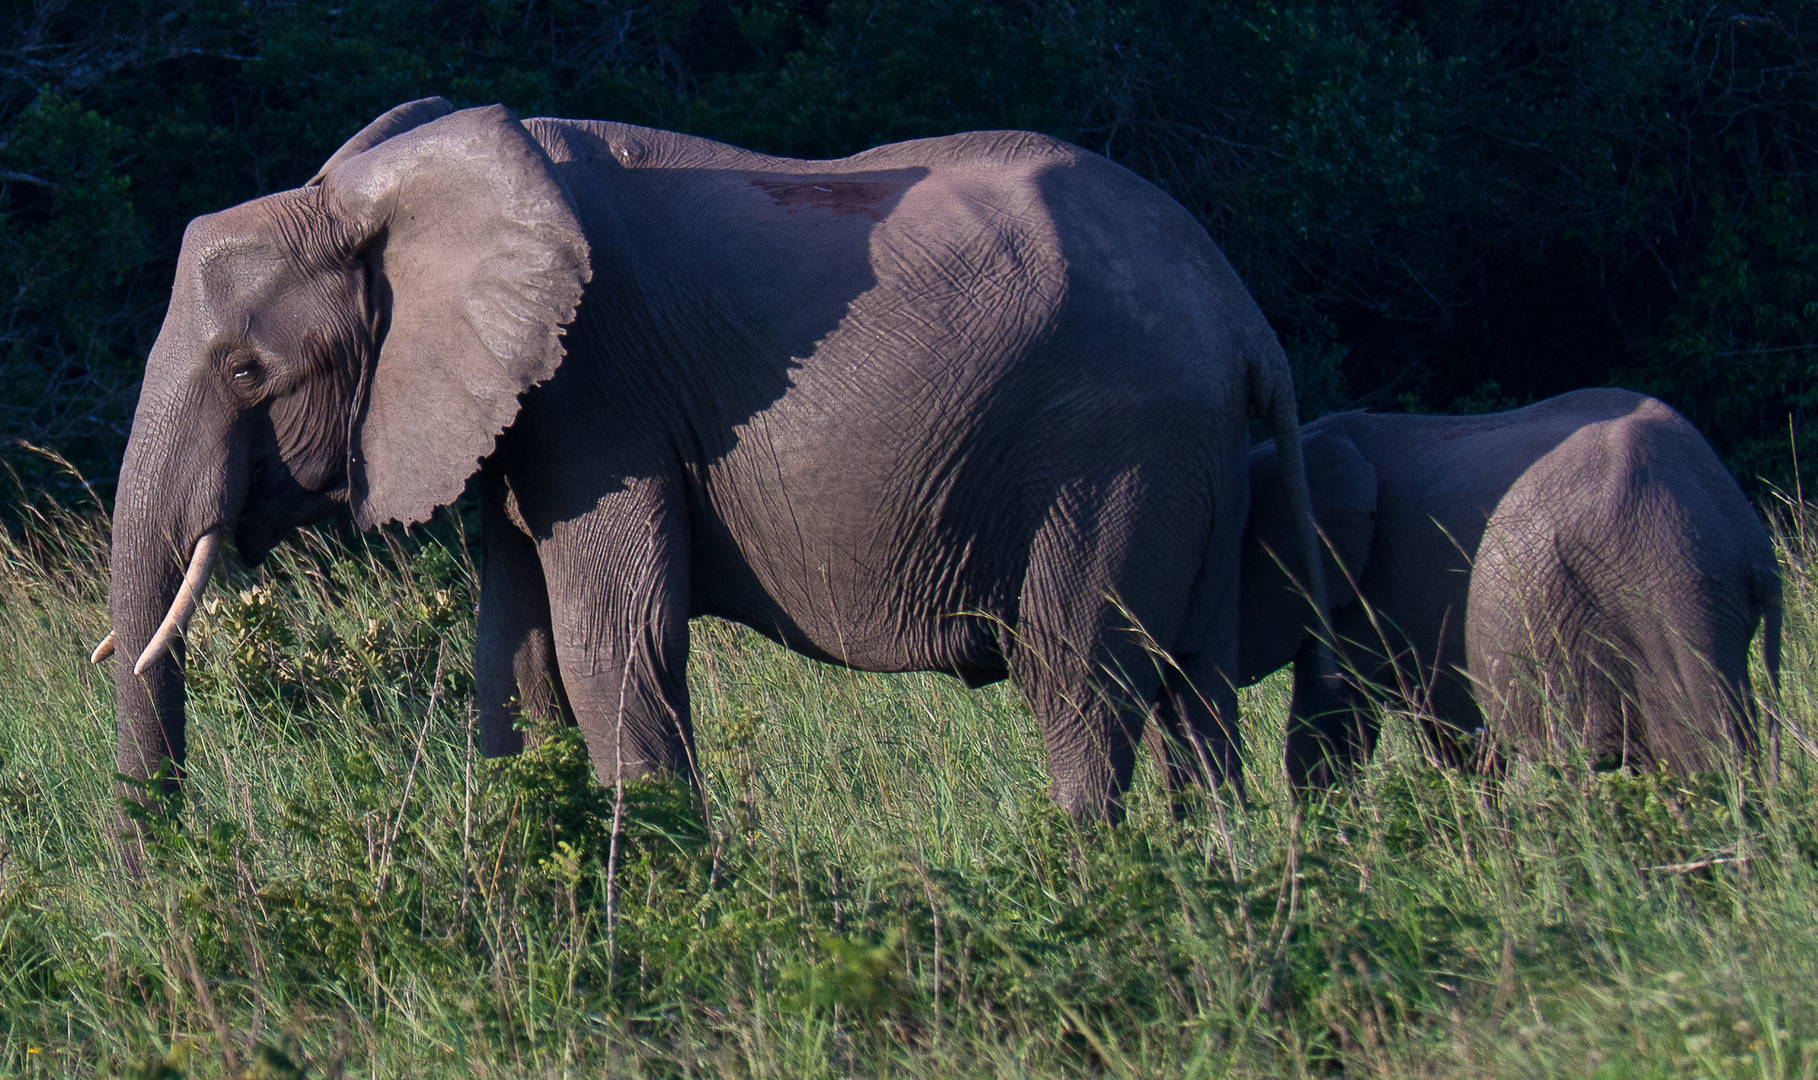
(872,883)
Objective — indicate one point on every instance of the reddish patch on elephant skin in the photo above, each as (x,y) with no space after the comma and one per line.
(838,196)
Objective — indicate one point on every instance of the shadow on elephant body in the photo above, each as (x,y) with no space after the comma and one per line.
(1607,494)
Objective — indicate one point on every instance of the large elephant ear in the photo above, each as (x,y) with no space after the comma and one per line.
(478,261)
(411,114)
(1273,611)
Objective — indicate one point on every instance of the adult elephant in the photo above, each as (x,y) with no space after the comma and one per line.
(974,404)
(1580,572)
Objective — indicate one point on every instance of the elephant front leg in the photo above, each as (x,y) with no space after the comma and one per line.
(618,590)
(515,673)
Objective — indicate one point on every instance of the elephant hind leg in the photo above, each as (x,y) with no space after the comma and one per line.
(1090,704)
(1098,616)
(1196,739)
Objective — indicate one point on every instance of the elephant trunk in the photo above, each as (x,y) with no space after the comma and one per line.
(148,697)
(167,535)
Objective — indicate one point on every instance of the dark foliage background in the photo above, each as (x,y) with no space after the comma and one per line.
(1441,204)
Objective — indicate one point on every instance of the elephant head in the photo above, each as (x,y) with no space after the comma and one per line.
(1275,618)
(359,341)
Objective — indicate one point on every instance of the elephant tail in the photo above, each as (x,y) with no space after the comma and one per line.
(1767,598)
(1284,418)
(1770,631)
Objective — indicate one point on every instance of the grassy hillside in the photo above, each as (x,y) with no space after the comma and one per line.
(873,884)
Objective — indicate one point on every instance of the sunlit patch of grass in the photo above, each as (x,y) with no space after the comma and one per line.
(872,883)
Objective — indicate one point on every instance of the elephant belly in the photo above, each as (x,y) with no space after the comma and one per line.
(1413,649)
(816,592)
(963,645)
(887,543)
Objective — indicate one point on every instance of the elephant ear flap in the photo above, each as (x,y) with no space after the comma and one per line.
(1272,608)
(411,114)
(477,261)
(1342,485)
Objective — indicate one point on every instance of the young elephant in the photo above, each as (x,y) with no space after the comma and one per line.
(1588,551)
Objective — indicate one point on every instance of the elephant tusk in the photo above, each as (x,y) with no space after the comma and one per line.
(103,650)
(195,579)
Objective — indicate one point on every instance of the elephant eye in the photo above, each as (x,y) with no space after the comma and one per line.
(245,370)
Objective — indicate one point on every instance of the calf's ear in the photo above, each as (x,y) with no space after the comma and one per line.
(1342,485)
(477,261)
(1274,615)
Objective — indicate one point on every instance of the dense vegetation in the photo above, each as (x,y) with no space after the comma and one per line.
(1442,204)
(873,882)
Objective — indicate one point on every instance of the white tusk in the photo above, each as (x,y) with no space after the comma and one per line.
(103,650)
(195,579)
